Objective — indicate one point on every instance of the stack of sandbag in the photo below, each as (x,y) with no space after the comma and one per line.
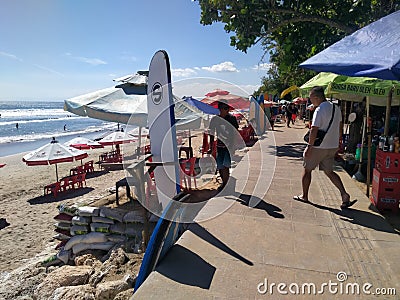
(64,224)
(96,228)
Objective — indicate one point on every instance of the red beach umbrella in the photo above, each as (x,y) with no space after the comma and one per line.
(116,138)
(83,143)
(52,154)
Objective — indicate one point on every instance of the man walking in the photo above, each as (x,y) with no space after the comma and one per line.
(225,127)
(324,154)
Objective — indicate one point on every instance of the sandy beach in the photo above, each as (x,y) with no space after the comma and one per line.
(30,214)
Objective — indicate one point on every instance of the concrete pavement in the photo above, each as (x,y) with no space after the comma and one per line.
(268,246)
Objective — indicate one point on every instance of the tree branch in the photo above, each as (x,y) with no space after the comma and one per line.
(301,17)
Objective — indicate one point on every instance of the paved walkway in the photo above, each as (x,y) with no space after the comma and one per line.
(240,252)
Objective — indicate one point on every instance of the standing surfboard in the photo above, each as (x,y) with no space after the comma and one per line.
(161,122)
(261,115)
(253,114)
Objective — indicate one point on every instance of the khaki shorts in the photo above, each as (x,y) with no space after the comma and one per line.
(322,157)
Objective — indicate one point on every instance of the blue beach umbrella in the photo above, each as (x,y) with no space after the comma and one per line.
(372,51)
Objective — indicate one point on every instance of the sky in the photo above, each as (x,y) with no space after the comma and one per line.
(55,50)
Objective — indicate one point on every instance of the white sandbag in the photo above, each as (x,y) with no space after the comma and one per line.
(63,225)
(117,238)
(79,229)
(61,237)
(92,237)
(102,220)
(133,230)
(97,246)
(79,220)
(100,227)
(113,214)
(88,211)
(134,216)
(117,228)
(64,255)
(69,210)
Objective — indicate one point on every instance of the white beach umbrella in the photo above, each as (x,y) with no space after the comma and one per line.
(52,154)
(83,143)
(116,138)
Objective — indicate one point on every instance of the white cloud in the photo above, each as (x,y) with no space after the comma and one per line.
(226,66)
(91,61)
(187,72)
(263,66)
(48,70)
(9,55)
(129,58)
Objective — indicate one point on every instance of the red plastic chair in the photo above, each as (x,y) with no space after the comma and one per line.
(188,173)
(53,188)
(88,167)
(65,184)
(206,144)
(80,179)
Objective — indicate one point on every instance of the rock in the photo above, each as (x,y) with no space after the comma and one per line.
(125,295)
(117,258)
(108,290)
(74,292)
(64,276)
(87,260)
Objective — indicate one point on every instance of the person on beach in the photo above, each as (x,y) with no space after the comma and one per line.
(324,154)
(65,127)
(224,126)
(288,114)
(16,125)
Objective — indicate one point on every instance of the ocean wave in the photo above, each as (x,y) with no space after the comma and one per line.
(34,112)
(37,121)
(49,135)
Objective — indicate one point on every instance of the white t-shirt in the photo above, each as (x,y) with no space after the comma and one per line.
(322,116)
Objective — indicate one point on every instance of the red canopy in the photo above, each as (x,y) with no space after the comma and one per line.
(217,92)
(234,101)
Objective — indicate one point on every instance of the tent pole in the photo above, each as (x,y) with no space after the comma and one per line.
(387,116)
(369,134)
(56,172)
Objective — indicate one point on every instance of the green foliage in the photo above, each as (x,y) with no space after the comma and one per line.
(291,31)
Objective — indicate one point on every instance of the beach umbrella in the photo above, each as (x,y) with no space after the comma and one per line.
(126,103)
(83,143)
(372,51)
(289,90)
(52,154)
(139,131)
(203,107)
(2,165)
(234,101)
(217,92)
(117,138)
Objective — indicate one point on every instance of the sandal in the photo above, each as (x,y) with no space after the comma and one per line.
(347,204)
(301,199)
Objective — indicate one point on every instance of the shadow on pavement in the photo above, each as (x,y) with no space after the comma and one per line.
(291,150)
(359,217)
(186,267)
(270,209)
(202,233)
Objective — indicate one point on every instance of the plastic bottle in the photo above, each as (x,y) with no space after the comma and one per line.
(391,144)
(396,145)
(358,152)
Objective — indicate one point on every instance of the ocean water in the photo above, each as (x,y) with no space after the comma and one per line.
(39,122)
